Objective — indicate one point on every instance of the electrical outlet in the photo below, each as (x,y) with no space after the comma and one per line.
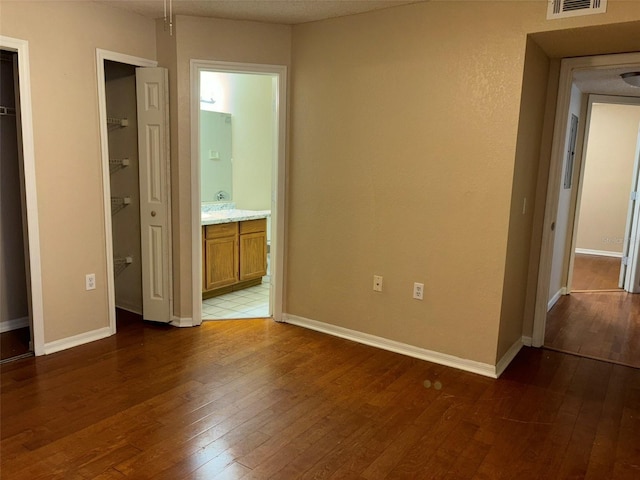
(377,283)
(418,291)
(90,281)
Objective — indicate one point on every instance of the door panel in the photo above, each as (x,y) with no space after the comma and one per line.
(153,144)
(632,234)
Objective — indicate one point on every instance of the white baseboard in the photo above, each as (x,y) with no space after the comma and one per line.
(527,341)
(130,308)
(601,253)
(14,324)
(182,322)
(81,339)
(385,344)
(554,299)
(506,359)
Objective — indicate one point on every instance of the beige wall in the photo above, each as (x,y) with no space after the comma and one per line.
(63,38)
(606,185)
(527,158)
(216,40)
(405,127)
(406,146)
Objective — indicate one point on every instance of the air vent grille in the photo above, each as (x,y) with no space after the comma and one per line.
(574,8)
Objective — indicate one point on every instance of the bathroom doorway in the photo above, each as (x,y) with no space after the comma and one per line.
(238,147)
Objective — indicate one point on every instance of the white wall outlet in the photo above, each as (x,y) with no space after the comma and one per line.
(377,283)
(90,281)
(418,291)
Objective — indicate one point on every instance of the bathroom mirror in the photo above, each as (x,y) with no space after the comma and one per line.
(215,156)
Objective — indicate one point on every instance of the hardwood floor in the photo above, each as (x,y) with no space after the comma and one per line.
(254,399)
(14,343)
(594,272)
(601,325)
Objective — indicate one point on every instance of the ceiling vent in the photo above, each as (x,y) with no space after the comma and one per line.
(574,8)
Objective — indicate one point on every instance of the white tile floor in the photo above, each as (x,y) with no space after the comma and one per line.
(251,302)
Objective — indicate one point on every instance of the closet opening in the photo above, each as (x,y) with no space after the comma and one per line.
(122,131)
(16,332)
(133,103)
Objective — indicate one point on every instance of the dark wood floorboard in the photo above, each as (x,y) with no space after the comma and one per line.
(600,325)
(595,272)
(14,343)
(253,399)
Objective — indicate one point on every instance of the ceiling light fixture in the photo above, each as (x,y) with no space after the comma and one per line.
(632,78)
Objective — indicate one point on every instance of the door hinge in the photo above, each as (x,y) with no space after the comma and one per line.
(634,196)
(625,261)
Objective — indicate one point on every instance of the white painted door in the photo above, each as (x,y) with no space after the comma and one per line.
(152,91)
(630,269)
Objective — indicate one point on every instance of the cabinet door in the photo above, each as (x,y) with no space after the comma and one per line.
(253,255)
(221,262)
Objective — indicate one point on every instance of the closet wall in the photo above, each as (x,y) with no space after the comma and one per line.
(14,307)
(120,84)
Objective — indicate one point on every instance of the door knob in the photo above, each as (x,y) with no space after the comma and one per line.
(153,213)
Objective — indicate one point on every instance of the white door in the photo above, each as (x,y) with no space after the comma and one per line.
(630,269)
(153,145)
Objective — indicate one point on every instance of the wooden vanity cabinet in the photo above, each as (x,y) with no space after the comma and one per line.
(220,255)
(234,256)
(253,249)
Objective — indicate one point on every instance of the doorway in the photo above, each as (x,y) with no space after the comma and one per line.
(133,106)
(592,323)
(238,154)
(21,318)
(604,213)
(15,324)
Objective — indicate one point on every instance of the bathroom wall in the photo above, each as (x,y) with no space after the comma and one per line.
(252,106)
(250,100)
(120,87)
(606,186)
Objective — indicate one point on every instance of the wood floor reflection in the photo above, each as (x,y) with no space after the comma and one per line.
(599,320)
(254,399)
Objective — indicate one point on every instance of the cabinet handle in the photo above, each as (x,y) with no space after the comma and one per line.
(153,213)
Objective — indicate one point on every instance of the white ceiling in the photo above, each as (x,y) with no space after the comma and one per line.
(289,12)
(606,82)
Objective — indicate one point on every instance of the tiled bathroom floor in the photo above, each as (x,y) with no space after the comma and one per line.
(251,302)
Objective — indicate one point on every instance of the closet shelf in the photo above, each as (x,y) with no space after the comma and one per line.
(119,162)
(123,260)
(120,200)
(7,111)
(121,263)
(121,122)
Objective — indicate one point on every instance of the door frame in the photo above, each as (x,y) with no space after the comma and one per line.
(101,57)
(567,67)
(632,231)
(21,47)
(591,99)
(277,181)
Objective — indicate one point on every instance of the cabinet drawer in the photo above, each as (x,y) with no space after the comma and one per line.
(220,230)
(253,226)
